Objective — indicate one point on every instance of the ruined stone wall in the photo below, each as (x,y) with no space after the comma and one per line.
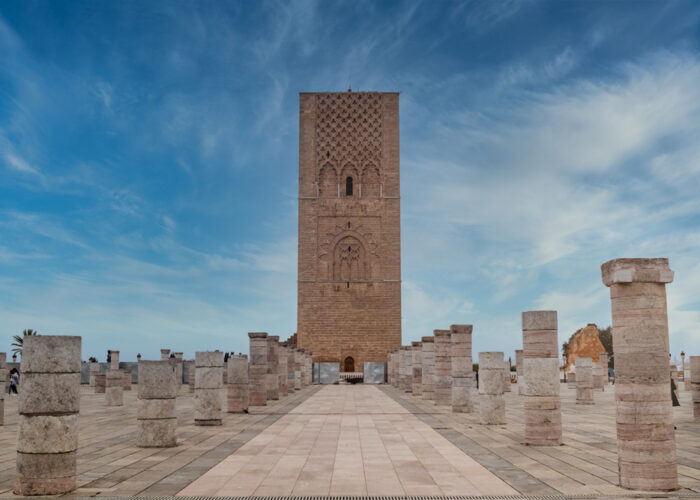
(349,289)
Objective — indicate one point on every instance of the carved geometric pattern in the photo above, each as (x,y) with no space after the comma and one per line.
(331,236)
(348,130)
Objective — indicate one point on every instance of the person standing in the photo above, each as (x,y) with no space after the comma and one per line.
(14,381)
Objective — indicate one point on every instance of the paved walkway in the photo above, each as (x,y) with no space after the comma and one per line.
(348,440)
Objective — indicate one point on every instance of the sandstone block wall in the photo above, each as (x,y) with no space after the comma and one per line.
(191,377)
(298,355)
(645,435)
(541,388)
(492,406)
(273,381)
(428,361)
(443,367)
(417,369)
(208,385)
(156,419)
(290,368)
(695,385)
(49,404)
(584,381)
(238,384)
(282,370)
(407,369)
(257,369)
(461,366)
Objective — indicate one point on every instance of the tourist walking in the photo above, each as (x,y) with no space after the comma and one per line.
(14,381)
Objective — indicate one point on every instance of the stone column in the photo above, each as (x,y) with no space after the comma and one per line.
(114,382)
(191,377)
(462,372)
(156,419)
(126,380)
(407,369)
(49,404)
(492,406)
(164,354)
(506,376)
(694,377)
(94,370)
(178,368)
(428,361)
(257,371)
(395,368)
(686,373)
(238,384)
(416,368)
(389,367)
(519,368)
(273,381)
(309,367)
(3,376)
(443,367)
(208,387)
(297,369)
(584,381)
(541,389)
(645,437)
(600,372)
(282,370)
(100,383)
(290,368)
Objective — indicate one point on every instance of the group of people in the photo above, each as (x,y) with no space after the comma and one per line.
(14,381)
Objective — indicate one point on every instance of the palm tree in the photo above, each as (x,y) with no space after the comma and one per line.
(19,341)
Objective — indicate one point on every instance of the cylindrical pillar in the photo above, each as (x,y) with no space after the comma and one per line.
(114,387)
(308,367)
(179,368)
(126,380)
(164,354)
(282,370)
(94,371)
(208,387)
(290,368)
(257,371)
(519,368)
(49,404)
(645,437)
(462,372)
(100,383)
(407,364)
(397,362)
(695,384)
(191,376)
(428,362)
(443,367)
(156,419)
(506,376)
(114,360)
(416,368)
(492,406)
(273,380)
(3,376)
(584,381)
(238,384)
(600,371)
(541,389)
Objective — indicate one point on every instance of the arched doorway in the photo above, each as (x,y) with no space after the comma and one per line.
(349,364)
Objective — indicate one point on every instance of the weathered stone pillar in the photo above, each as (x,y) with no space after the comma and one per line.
(308,367)
(297,369)
(3,376)
(673,373)
(443,367)
(273,381)
(407,364)
(686,373)
(396,357)
(416,368)
(208,387)
(94,371)
(694,377)
(428,361)
(238,384)
(584,381)
(178,368)
(100,383)
(282,370)
(156,419)
(126,380)
(164,354)
(462,372)
(49,404)
(114,382)
(492,406)
(191,377)
(290,368)
(519,368)
(389,367)
(541,389)
(506,376)
(645,437)
(257,371)
(600,372)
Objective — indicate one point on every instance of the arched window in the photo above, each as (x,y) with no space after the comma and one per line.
(349,364)
(348,186)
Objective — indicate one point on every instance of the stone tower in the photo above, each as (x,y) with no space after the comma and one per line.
(349,281)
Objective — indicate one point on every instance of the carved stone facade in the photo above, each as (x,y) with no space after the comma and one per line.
(349,289)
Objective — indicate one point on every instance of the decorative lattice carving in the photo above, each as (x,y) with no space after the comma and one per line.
(348,130)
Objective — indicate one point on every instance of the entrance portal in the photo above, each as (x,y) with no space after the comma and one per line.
(349,364)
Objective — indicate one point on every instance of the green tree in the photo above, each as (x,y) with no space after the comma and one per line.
(605,336)
(18,343)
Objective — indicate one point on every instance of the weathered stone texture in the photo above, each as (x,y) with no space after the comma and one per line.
(417,369)
(257,371)
(506,376)
(208,385)
(646,443)
(100,383)
(94,371)
(164,354)
(461,368)
(238,384)
(282,370)
(273,380)
(297,368)
(584,381)
(406,369)
(492,406)
(443,367)
(428,361)
(695,384)
(291,363)
(157,389)
(349,286)
(114,360)
(600,371)
(47,438)
(540,390)
(126,380)
(114,388)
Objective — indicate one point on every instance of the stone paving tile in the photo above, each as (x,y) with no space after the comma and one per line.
(348,440)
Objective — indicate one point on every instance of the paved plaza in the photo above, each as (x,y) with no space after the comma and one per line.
(351,440)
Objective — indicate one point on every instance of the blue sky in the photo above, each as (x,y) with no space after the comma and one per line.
(149,156)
